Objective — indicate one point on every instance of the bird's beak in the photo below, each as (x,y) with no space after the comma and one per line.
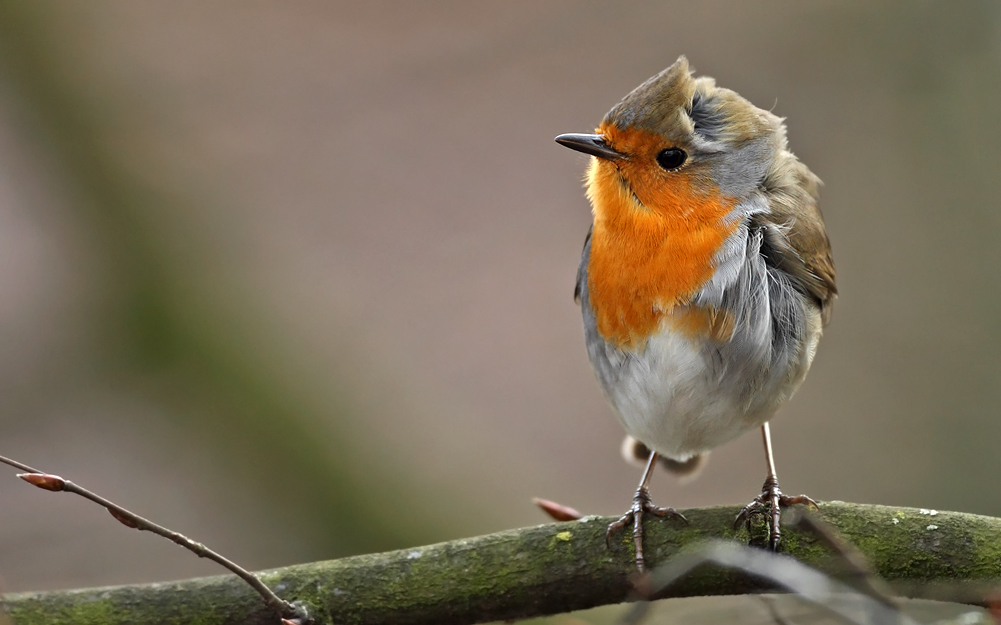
(590,144)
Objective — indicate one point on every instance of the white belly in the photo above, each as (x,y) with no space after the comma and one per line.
(678,401)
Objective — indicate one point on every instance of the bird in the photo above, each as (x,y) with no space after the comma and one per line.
(705,282)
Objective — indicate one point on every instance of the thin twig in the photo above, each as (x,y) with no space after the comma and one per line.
(636,613)
(786,572)
(773,610)
(857,564)
(290,614)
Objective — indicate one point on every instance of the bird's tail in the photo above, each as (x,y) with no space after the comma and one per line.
(636,453)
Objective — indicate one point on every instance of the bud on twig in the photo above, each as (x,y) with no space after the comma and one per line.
(44,480)
(557,511)
(123,519)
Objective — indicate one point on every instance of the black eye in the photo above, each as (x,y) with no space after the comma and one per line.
(671,158)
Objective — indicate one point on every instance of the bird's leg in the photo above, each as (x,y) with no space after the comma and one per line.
(771,498)
(641,505)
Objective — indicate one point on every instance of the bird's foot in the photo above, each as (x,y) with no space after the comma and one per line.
(641,505)
(770,501)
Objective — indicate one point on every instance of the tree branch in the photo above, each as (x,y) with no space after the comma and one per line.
(545,570)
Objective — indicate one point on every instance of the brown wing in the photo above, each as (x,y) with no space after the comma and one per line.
(795,233)
(582,268)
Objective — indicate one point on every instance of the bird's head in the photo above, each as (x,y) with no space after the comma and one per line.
(676,143)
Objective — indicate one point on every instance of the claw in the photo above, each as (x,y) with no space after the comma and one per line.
(616,526)
(798,500)
(771,500)
(641,505)
(665,513)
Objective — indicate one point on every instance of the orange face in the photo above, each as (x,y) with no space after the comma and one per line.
(656,233)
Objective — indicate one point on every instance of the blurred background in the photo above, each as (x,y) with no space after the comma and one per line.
(295,279)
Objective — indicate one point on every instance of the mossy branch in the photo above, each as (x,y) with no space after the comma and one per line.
(545,570)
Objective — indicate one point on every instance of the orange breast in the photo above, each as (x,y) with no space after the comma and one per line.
(650,254)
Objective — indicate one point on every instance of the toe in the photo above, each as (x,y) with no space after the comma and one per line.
(616,526)
(798,500)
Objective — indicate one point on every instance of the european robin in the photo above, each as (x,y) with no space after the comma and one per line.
(706,279)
